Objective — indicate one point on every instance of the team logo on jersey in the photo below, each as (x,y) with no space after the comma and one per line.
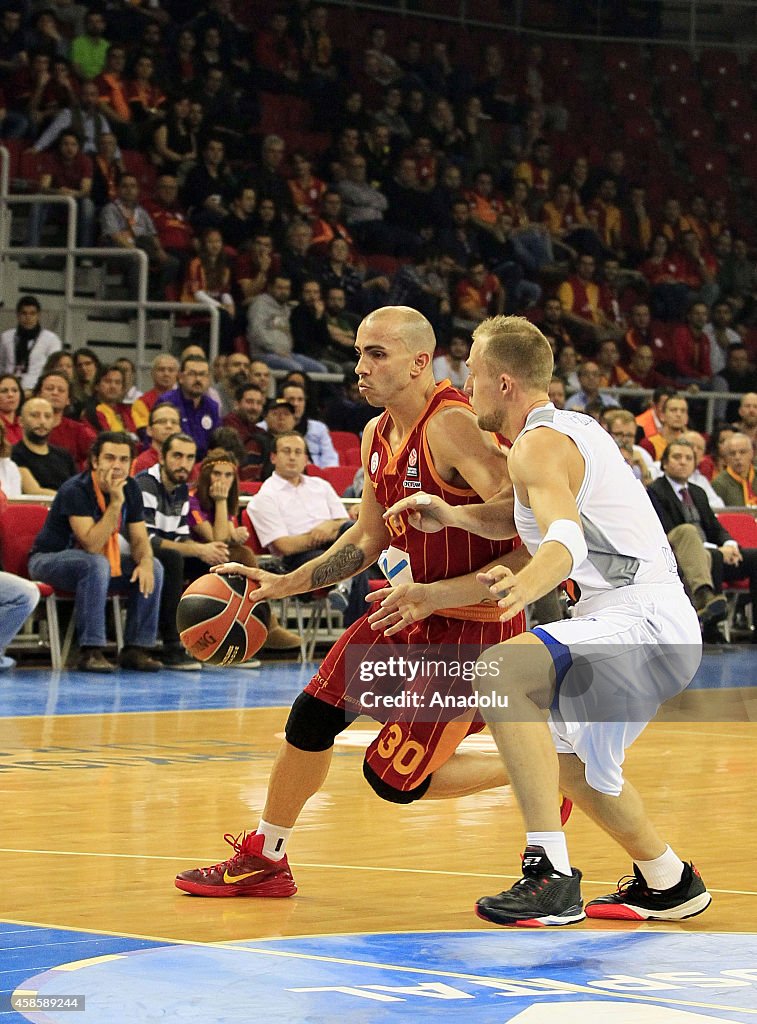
(412,464)
(374,462)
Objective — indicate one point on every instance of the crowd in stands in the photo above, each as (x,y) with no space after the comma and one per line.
(297,184)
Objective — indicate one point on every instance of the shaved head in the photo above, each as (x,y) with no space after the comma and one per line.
(406,325)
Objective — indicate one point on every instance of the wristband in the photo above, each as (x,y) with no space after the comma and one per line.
(571,536)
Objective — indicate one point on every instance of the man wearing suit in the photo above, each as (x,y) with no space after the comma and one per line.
(706,553)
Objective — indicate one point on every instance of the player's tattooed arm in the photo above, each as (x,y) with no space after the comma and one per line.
(337,566)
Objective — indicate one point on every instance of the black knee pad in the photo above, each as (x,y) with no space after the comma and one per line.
(390,793)
(313,725)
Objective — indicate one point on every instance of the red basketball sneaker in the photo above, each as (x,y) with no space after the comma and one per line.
(247,873)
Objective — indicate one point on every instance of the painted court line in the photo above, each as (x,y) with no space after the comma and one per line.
(330,867)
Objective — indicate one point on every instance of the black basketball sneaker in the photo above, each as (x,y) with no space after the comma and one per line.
(634,900)
(543,897)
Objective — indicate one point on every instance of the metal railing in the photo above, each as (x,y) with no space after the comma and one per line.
(710,398)
(142,305)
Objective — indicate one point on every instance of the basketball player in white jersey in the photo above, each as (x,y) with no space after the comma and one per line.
(580,690)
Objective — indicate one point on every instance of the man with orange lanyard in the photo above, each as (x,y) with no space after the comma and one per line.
(110,411)
(113,101)
(79,549)
(737,484)
(126,224)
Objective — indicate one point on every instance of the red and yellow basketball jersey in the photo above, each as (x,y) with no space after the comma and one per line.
(396,475)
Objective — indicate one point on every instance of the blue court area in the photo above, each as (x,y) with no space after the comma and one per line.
(627,974)
(565,977)
(42,692)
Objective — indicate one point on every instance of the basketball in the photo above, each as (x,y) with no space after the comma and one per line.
(219,620)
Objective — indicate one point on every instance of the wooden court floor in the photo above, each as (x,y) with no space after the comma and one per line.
(100,809)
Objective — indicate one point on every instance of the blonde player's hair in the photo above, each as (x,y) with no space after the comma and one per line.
(516,346)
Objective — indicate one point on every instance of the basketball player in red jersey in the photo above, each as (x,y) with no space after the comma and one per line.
(426,439)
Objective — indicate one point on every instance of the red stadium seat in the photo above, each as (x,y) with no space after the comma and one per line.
(631,97)
(749,164)
(719,65)
(313,143)
(31,166)
(741,131)
(273,112)
(340,477)
(347,445)
(732,99)
(253,541)
(641,128)
(694,129)
(622,62)
(562,60)
(710,170)
(742,526)
(750,341)
(672,62)
(136,163)
(379,263)
(678,96)
(253,16)
(15,148)
(19,526)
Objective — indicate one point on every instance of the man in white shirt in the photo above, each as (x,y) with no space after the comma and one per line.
(297,517)
(294,515)
(25,348)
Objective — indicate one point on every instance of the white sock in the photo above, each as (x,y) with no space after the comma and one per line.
(663,872)
(275,839)
(554,846)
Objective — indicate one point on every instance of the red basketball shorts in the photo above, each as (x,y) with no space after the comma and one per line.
(407,749)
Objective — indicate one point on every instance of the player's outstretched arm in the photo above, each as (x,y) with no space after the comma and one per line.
(353,551)
(549,470)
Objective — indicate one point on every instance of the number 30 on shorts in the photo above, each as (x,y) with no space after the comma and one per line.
(405,757)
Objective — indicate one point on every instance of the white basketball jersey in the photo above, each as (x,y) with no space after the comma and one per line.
(626,541)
